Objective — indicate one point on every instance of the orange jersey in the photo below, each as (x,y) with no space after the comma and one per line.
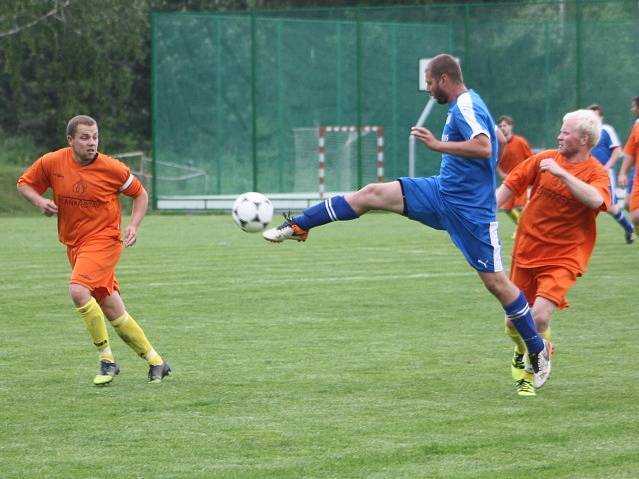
(631,149)
(515,151)
(555,228)
(87,196)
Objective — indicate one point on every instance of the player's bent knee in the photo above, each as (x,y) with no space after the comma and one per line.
(80,295)
(380,196)
(542,321)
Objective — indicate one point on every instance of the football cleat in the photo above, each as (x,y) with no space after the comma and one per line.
(525,386)
(287,230)
(108,370)
(517,365)
(539,364)
(159,372)
(630,237)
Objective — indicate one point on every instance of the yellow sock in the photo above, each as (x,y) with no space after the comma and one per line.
(93,318)
(514,335)
(514,215)
(133,335)
(546,334)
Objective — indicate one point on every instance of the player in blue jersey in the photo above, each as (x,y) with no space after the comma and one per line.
(607,151)
(460,200)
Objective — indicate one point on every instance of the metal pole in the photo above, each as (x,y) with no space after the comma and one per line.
(253,100)
(358,32)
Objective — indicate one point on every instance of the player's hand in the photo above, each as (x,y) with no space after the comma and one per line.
(622,180)
(551,166)
(48,207)
(130,236)
(425,136)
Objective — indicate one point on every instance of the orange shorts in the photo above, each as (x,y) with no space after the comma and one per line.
(94,263)
(516,202)
(550,282)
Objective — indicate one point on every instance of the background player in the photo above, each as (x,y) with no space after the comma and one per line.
(557,229)
(460,200)
(607,151)
(86,187)
(631,150)
(514,152)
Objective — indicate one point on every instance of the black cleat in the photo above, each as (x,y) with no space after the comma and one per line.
(159,372)
(630,237)
(108,370)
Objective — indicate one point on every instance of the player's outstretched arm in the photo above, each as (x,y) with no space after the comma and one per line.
(46,206)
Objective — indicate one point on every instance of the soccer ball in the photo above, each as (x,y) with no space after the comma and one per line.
(252,211)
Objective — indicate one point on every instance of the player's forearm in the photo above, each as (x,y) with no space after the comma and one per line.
(613,158)
(503,194)
(140,205)
(583,192)
(473,148)
(30,194)
(626,164)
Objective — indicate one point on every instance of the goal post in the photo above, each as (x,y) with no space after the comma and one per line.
(337,154)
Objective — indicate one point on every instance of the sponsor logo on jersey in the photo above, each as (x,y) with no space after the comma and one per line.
(79,187)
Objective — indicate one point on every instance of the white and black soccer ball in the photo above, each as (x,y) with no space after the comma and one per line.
(252,211)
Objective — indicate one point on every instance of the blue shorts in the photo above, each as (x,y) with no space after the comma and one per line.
(478,242)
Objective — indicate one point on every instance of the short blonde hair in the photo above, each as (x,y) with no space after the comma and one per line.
(587,122)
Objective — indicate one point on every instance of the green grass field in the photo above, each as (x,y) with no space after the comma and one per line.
(371,351)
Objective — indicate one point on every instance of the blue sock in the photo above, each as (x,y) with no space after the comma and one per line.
(519,314)
(621,219)
(332,209)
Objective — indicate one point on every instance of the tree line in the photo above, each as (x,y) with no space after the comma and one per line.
(59,58)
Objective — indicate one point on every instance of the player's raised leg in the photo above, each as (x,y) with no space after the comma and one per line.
(374,196)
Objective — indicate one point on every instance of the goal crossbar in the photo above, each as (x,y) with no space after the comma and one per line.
(321,147)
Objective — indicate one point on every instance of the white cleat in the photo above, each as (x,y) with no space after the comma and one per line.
(287,230)
(539,364)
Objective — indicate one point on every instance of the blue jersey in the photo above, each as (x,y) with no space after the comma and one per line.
(468,184)
(608,142)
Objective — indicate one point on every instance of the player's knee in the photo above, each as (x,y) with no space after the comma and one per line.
(542,321)
(80,295)
(542,318)
(369,197)
(373,191)
(494,284)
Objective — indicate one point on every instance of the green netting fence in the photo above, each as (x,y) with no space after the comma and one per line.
(238,99)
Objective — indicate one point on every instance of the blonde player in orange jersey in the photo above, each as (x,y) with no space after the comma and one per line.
(86,186)
(557,230)
(514,152)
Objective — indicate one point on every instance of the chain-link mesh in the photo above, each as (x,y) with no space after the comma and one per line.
(230,91)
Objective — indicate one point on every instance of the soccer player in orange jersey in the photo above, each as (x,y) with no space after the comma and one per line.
(86,186)
(631,158)
(514,152)
(557,229)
